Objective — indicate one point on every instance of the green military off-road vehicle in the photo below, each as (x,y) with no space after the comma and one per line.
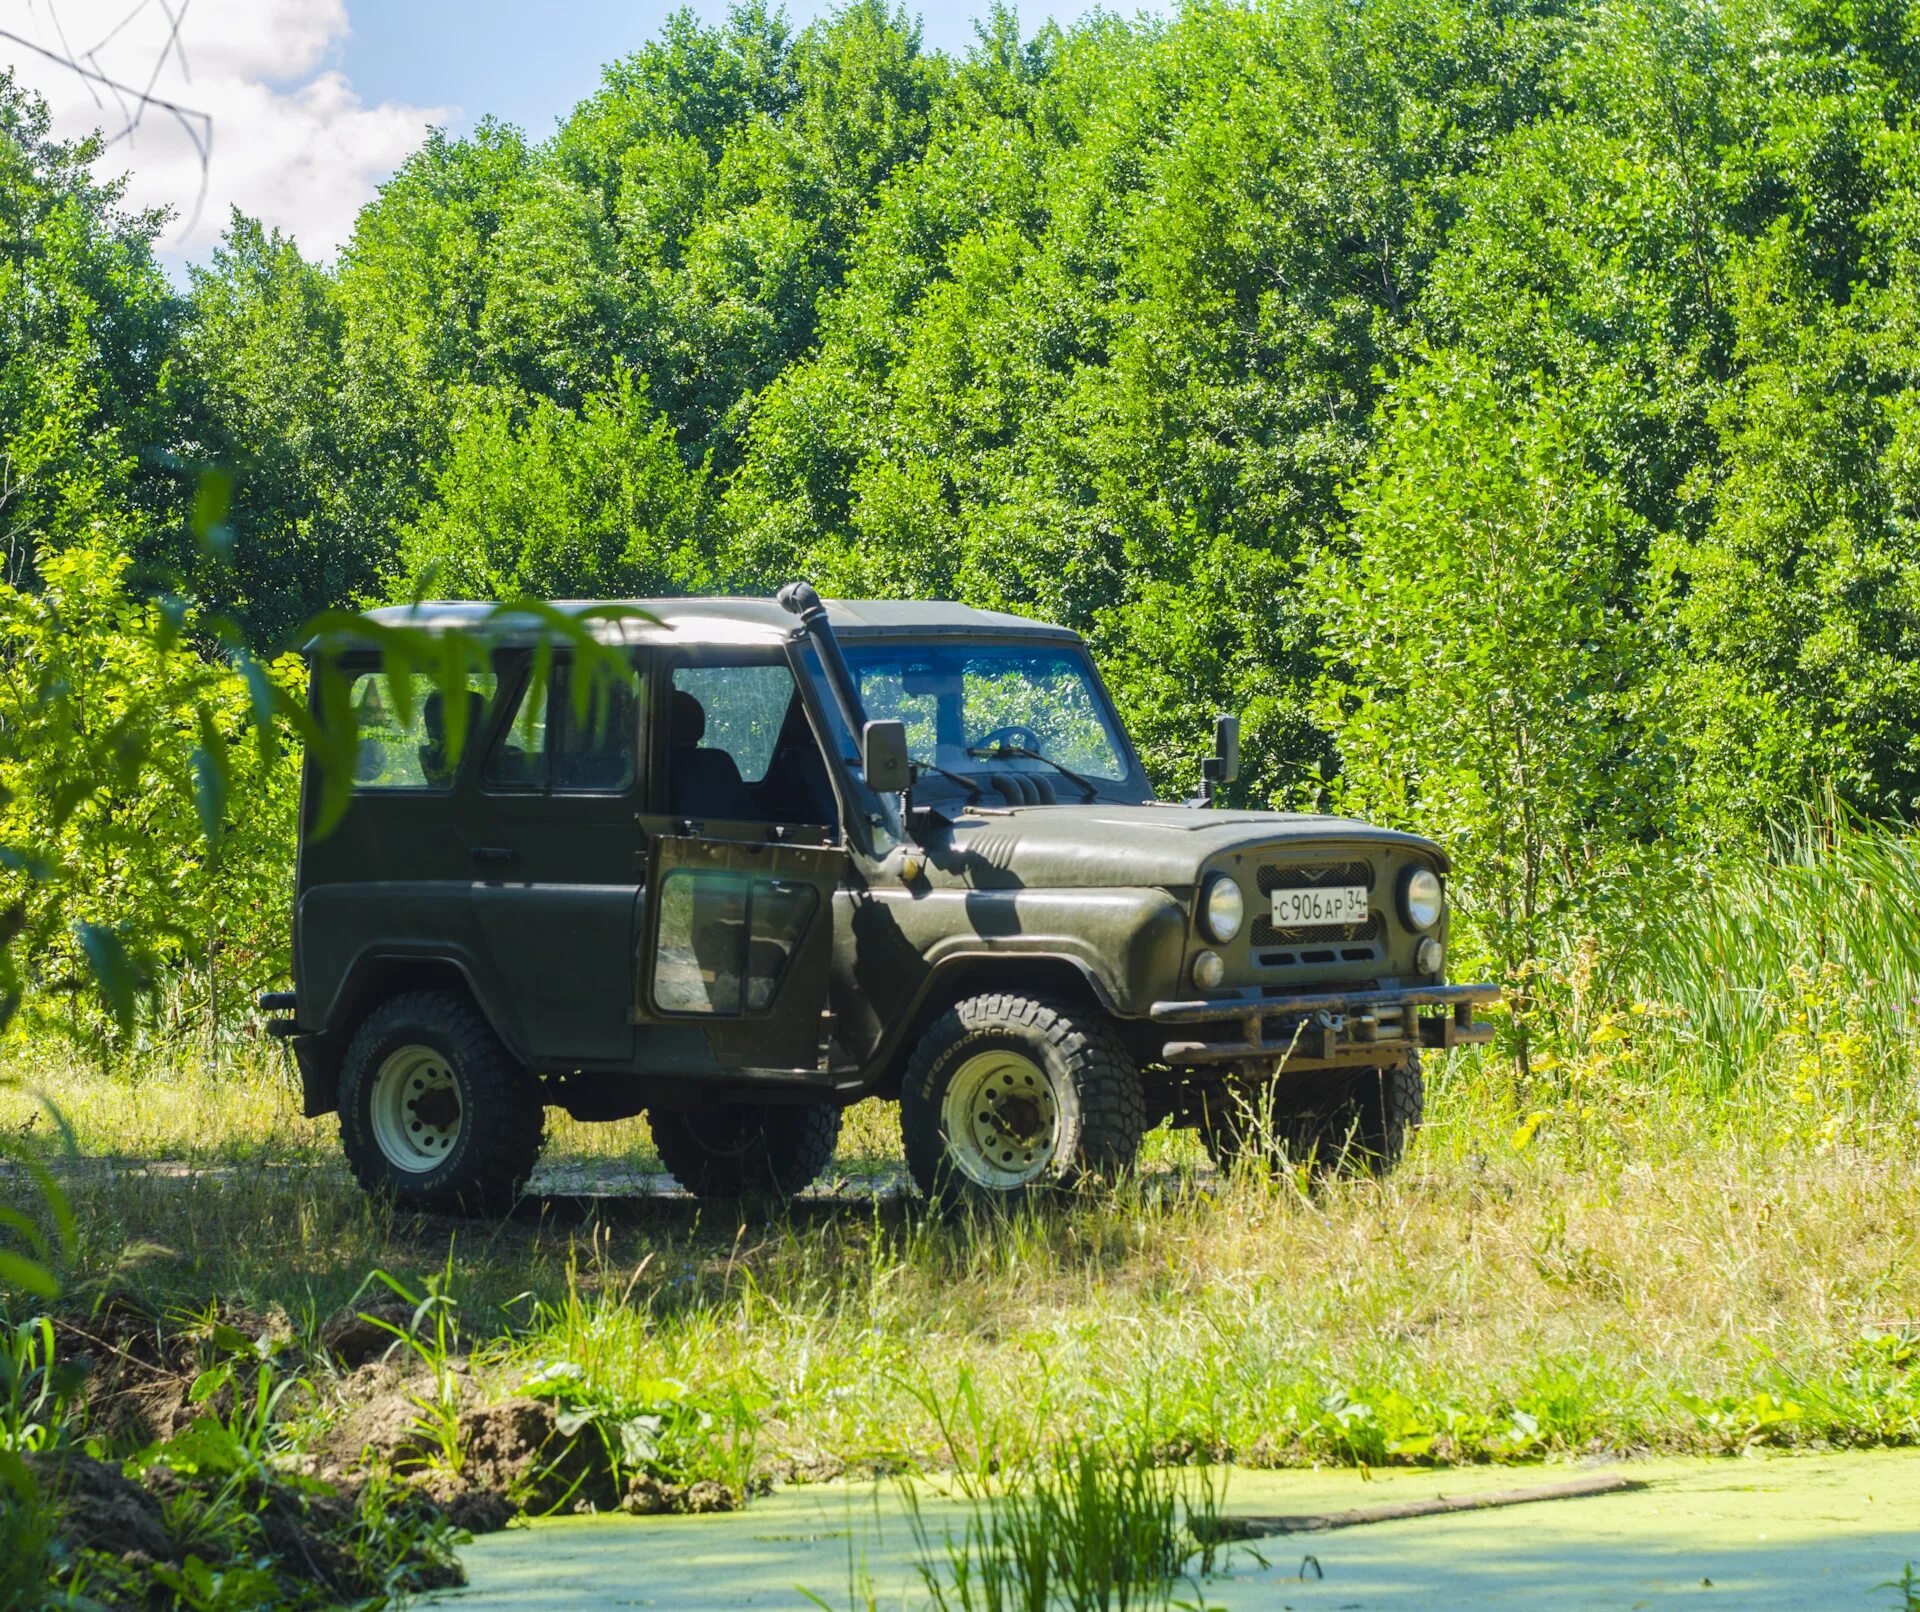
(799,854)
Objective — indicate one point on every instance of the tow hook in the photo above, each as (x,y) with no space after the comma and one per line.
(1326,1031)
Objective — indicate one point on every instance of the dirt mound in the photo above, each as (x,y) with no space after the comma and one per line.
(359,1333)
(648,1496)
(310,1529)
(101,1508)
(139,1372)
(514,1457)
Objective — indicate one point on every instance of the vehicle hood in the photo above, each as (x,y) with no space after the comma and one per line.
(1095,845)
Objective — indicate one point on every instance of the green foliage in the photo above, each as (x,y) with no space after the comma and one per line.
(1091,1530)
(144,825)
(593,504)
(1508,409)
(87,323)
(1487,676)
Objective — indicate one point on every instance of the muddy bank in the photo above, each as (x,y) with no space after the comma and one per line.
(348,1461)
(140,1531)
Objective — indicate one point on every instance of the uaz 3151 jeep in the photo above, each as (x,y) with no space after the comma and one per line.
(807,854)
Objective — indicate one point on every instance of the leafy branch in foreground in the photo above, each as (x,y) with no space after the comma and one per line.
(150,775)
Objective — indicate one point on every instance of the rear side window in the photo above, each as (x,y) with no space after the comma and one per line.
(420,752)
(549,745)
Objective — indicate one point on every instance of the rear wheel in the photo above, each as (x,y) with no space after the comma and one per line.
(1354,1120)
(747,1150)
(434,1112)
(1008,1096)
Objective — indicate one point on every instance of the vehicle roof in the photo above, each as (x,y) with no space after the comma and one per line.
(725,621)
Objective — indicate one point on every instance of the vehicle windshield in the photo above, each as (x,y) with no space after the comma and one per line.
(1004,723)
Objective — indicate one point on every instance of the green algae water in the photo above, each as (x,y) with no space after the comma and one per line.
(1802,1533)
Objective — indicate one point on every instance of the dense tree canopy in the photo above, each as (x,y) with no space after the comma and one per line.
(1437,382)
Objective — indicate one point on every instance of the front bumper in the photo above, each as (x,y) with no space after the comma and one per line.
(1323,1029)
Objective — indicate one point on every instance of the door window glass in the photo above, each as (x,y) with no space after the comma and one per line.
(552,744)
(423,751)
(725,941)
(742,709)
(518,759)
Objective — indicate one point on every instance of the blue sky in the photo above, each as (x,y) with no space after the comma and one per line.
(484,56)
(313,103)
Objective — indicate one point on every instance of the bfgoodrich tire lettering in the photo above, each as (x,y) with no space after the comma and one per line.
(1092,1110)
(463,1130)
(747,1150)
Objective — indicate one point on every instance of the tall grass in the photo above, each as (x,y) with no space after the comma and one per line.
(1092,1528)
(1772,993)
(1779,961)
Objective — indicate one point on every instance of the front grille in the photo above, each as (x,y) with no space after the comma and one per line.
(1277,876)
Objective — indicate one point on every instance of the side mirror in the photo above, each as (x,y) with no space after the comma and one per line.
(1226,749)
(883,757)
(1223,766)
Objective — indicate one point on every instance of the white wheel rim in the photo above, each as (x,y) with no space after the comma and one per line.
(1002,1119)
(416,1110)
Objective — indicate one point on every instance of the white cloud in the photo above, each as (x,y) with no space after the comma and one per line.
(291,142)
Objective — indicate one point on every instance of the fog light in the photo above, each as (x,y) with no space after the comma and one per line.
(1428,956)
(1209,969)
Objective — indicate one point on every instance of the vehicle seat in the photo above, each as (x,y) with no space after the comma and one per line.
(435,765)
(796,788)
(706,783)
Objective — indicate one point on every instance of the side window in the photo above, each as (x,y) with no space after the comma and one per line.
(550,745)
(418,753)
(741,710)
(725,941)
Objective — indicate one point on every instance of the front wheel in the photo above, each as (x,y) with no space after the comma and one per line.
(1007,1096)
(747,1150)
(1354,1120)
(434,1112)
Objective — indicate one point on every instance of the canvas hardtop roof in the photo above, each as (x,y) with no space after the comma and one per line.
(728,621)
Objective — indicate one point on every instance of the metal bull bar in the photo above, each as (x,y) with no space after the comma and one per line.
(1327,1028)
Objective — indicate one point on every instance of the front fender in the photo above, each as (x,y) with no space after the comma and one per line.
(899,943)
(1127,942)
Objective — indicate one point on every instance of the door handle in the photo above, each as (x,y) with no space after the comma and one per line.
(495,855)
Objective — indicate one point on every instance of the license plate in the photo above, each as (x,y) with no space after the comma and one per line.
(1328,904)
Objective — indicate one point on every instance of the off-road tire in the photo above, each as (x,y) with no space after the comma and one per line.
(503,1123)
(1354,1121)
(747,1151)
(1102,1104)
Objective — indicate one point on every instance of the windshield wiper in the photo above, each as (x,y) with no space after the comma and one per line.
(1019,752)
(971,786)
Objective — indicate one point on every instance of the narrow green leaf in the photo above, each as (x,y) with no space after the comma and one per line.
(27,1275)
(210,764)
(211,500)
(107,957)
(22,862)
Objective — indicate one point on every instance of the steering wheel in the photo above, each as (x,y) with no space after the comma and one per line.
(1014,736)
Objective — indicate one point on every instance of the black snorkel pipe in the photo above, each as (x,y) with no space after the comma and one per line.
(799,599)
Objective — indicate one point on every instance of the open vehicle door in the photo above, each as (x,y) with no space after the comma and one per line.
(736,940)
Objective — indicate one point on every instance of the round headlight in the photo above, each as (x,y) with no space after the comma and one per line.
(1222,908)
(1421,900)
